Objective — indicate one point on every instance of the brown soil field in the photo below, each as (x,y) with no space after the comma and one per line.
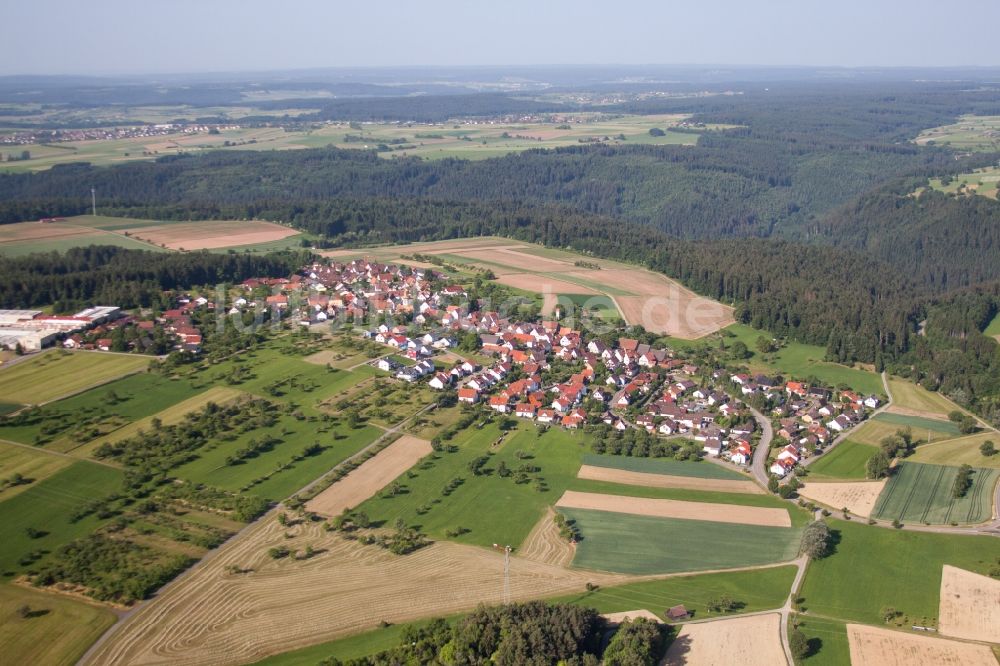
(210,617)
(676,314)
(663,508)
(884,647)
(509,256)
(906,411)
(211,234)
(618,618)
(748,641)
(545,545)
(543,284)
(373,475)
(611,475)
(970,605)
(858,496)
(24,231)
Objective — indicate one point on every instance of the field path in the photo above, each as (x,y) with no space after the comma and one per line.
(40,449)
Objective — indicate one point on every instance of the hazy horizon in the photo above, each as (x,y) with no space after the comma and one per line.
(113,37)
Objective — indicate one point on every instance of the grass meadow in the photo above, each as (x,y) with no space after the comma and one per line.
(828,645)
(846,461)
(874,567)
(56,373)
(959,451)
(32,465)
(921,493)
(911,396)
(701,469)
(57,633)
(645,545)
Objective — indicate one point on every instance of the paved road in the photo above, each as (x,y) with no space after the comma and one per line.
(759,463)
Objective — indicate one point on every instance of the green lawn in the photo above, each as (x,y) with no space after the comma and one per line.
(758,590)
(828,645)
(57,635)
(846,461)
(644,545)
(875,567)
(921,493)
(58,372)
(46,506)
(31,464)
(702,470)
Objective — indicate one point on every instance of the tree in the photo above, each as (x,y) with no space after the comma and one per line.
(987,448)
(816,540)
(763,345)
(877,466)
(798,643)
(739,350)
(637,642)
(772,484)
(656,131)
(967,425)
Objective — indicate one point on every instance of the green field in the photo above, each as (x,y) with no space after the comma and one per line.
(846,461)
(135,397)
(57,373)
(702,470)
(827,641)
(32,465)
(982,181)
(887,424)
(57,634)
(875,567)
(978,133)
(47,506)
(911,396)
(959,451)
(800,361)
(923,493)
(644,545)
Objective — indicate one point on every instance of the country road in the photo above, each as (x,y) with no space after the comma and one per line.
(759,463)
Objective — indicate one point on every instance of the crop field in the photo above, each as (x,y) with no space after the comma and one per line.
(847,460)
(648,545)
(970,605)
(58,633)
(47,506)
(909,396)
(923,493)
(34,466)
(751,641)
(924,430)
(641,296)
(874,645)
(960,451)
(211,234)
(874,567)
(858,496)
(611,475)
(979,133)
(346,588)
(28,237)
(58,373)
(668,508)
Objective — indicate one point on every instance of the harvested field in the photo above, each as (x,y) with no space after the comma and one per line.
(884,647)
(211,234)
(970,605)
(545,545)
(214,618)
(28,231)
(629,478)
(373,475)
(675,313)
(858,496)
(663,508)
(543,284)
(748,641)
(618,618)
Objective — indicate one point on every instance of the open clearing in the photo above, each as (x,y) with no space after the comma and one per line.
(978,133)
(211,234)
(544,544)
(859,497)
(641,296)
(665,508)
(970,605)
(611,475)
(57,373)
(212,617)
(885,647)
(57,636)
(923,493)
(373,475)
(748,641)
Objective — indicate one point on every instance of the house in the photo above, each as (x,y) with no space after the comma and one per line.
(499,403)
(676,613)
(386,364)
(872,402)
(546,415)
(440,381)
(525,410)
(712,446)
(840,424)
(468,395)
(782,467)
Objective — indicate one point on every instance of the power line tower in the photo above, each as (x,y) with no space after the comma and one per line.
(93,201)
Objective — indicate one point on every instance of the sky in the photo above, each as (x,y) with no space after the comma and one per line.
(180,36)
